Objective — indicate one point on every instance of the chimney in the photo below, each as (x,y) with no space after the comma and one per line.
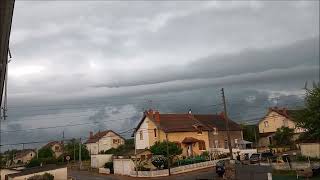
(91,134)
(150,112)
(157,116)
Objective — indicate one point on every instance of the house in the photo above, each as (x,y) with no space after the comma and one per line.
(24,156)
(274,119)
(56,147)
(194,133)
(102,141)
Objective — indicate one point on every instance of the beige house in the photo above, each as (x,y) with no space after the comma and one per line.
(24,156)
(194,133)
(102,141)
(276,118)
(56,147)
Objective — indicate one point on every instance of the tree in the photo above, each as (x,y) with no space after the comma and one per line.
(160,148)
(73,147)
(45,152)
(250,132)
(283,136)
(309,118)
(122,149)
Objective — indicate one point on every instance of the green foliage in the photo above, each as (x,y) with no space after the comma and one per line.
(283,136)
(122,149)
(250,132)
(305,158)
(309,118)
(205,154)
(109,165)
(45,176)
(33,163)
(45,152)
(196,159)
(160,148)
(72,148)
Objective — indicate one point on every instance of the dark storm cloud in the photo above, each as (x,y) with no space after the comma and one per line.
(103,62)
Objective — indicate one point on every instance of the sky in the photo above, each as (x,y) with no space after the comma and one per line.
(103,63)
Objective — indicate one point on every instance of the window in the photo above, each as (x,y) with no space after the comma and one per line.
(226,144)
(215,131)
(178,144)
(285,123)
(116,141)
(56,148)
(199,132)
(155,132)
(143,157)
(31,154)
(266,124)
(141,135)
(216,144)
(236,143)
(202,145)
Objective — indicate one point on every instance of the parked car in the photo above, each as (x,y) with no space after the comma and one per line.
(261,157)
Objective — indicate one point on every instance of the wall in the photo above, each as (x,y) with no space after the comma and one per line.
(144,128)
(59,174)
(221,136)
(242,152)
(123,166)
(4,172)
(310,149)
(99,160)
(175,170)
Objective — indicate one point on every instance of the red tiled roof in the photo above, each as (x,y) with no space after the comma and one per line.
(50,144)
(95,138)
(285,112)
(190,122)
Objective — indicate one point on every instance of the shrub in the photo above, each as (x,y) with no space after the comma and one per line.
(33,163)
(109,165)
(45,176)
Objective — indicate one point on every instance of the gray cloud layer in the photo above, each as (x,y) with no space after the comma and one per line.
(98,61)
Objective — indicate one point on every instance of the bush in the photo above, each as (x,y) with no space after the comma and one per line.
(45,176)
(109,165)
(33,163)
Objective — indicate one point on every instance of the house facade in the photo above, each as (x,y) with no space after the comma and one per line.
(274,119)
(102,141)
(56,147)
(24,156)
(193,133)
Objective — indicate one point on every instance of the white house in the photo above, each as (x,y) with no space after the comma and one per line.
(102,141)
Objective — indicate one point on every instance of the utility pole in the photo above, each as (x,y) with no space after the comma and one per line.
(74,150)
(168,155)
(227,123)
(62,146)
(80,163)
(135,151)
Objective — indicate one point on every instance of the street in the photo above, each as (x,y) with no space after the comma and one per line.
(244,173)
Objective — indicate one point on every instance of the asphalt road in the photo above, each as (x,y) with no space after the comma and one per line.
(243,173)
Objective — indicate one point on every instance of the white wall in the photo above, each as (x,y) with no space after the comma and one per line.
(4,172)
(310,149)
(142,144)
(98,161)
(59,174)
(123,166)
